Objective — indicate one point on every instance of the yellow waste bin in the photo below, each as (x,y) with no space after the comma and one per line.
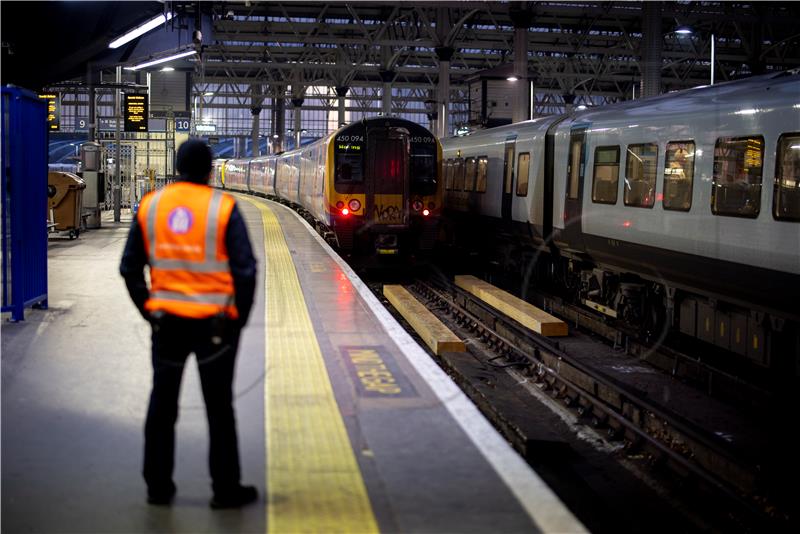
(65,201)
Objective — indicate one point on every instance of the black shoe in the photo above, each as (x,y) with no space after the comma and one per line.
(235,498)
(161,497)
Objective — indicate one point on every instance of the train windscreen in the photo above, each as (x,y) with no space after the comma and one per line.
(423,169)
(389,165)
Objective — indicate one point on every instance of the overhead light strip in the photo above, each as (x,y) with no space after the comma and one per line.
(161,60)
(141,30)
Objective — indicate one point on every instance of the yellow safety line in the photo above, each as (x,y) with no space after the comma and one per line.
(314,483)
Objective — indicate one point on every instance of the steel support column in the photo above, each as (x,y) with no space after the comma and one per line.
(297,104)
(445,54)
(278,121)
(341,93)
(116,188)
(255,111)
(652,44)
(386,92)
(522,101)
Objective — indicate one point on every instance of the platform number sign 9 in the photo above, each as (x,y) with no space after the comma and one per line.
(182,125)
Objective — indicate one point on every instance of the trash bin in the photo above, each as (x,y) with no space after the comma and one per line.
(65,201)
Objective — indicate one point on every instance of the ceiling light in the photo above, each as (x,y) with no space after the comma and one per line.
(167,69)
(581,107)
(512,78)
(162,60)
(683,30)
(208,93)
(141,30)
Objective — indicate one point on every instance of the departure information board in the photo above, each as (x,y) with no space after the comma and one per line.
(53,111)
(135,113)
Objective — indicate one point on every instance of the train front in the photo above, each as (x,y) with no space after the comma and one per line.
(386,196)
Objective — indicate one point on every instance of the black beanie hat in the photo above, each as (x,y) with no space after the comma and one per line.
(193,161)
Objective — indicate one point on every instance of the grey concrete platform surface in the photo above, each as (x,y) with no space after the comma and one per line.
(76,378)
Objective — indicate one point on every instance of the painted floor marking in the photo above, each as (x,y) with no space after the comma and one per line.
(314,483)
(542,505)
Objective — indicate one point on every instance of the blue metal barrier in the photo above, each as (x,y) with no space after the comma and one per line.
(24,201)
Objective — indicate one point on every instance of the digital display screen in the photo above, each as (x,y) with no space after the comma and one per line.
(53,111)
(135,113)
(349,143)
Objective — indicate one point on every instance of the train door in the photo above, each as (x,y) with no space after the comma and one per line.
(576,167)
(508,177)
(387,180)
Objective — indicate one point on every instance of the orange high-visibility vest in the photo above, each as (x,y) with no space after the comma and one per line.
(184,228)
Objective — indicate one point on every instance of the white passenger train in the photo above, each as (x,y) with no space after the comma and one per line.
(683,209)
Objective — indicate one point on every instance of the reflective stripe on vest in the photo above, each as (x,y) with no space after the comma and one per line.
(217,299)
(210,264)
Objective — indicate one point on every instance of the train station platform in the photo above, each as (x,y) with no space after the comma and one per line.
(345,423)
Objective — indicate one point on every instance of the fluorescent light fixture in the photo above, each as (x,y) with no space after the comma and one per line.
(795,147)
(167,69)
(141,30)
(275,136)
(208,93)
(684,30)
(162,60)
(512,78)
(750,111)
(581,107)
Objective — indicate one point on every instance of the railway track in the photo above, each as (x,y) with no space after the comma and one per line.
(628,417)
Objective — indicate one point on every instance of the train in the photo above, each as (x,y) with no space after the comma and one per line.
(677,214)
(370,187)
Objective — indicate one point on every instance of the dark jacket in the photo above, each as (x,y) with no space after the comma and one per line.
(241,260)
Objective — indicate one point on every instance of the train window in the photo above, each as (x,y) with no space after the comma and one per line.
(483,165)
(469,180)
(640,175)
(388,163)
(678,175)
(736,189)
(575,149)
(523,166)
(458,175)
(422,170)
(786,202)
(348,168)
(606,175)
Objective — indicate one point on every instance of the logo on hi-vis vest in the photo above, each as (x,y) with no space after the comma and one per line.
(180,220)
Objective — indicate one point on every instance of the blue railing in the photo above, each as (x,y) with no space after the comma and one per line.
(24,201)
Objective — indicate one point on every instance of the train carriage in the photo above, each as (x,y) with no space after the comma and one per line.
(681,209)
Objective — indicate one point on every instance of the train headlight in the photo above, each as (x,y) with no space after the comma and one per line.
(354,205)
(426,212)
(431,205)
(345,211)
(417,205)
(339,205)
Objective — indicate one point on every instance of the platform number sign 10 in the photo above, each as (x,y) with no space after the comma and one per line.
(182,125)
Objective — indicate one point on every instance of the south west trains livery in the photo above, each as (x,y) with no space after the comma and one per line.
(674,213)
(371,186)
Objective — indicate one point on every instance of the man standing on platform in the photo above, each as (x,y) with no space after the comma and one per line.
(202,281)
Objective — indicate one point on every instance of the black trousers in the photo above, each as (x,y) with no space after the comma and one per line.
(174,338)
